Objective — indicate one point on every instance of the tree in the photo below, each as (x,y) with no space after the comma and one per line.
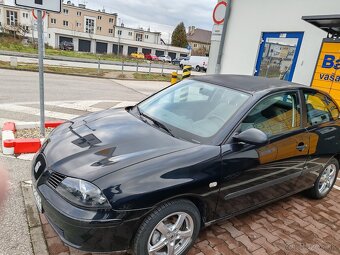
(179,36)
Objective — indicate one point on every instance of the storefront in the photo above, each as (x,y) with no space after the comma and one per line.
(271,39)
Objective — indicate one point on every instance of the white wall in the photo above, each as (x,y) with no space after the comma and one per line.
(250,18)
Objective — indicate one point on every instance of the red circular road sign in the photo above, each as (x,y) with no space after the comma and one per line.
(219,11)
(36,17)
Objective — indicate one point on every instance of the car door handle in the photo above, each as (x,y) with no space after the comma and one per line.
(301,147)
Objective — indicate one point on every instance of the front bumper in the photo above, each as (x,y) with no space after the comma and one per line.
(91,231)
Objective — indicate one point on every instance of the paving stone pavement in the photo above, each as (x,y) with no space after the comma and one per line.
(295,225)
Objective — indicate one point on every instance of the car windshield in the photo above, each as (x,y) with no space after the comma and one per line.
(193,110)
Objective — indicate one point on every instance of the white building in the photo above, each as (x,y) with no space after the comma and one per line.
(254,25)
(90,30)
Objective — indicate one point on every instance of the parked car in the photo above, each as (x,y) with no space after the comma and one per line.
(177,61)
(198,63)
(165,58)
(138,55)
(66,46)
(151,57)
(148,177)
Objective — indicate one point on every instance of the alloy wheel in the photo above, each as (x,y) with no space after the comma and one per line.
(172,235)
(327,179)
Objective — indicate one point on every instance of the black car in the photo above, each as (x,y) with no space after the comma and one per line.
(147,178)
(66,46)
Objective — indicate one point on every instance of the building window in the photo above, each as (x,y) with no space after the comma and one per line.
(99,28)
(130,33)
(78,24)
(26,28)
(139,37)
(146,36)
(53,21)
(12,18)
(99,17)
(89,28)
(78,13)
(111,20)
(110,31)
(65,11)
(65,23)
(119,32)
(25,15)
(195,45)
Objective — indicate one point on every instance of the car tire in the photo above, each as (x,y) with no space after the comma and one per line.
(163,218)
(198,69)
(181,66)
(326,180)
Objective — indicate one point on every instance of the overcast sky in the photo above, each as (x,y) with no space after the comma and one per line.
(159,15)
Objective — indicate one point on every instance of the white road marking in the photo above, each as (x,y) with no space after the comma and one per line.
(81,105)
(124,104)
(36,112)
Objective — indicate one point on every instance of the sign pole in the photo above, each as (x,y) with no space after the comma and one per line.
(41,72)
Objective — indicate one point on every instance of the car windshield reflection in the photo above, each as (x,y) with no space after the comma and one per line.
(194,110)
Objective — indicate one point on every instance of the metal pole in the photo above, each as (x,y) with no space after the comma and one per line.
(41,72)
(98,66)
(221,49)
(137,66)
(149,67)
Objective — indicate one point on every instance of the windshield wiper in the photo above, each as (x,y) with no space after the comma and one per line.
(157,123)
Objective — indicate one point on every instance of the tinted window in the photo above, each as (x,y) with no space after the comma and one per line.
(274,115)
(320,108)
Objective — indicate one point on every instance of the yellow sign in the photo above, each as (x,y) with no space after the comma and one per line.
(327,72)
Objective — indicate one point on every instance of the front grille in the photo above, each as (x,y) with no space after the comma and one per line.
(55,179)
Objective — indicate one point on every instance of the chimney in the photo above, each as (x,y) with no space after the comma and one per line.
(83,6)
(191,30)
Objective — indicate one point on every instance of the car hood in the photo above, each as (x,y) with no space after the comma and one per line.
(98,144)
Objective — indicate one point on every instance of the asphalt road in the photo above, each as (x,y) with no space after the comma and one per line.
(21,86)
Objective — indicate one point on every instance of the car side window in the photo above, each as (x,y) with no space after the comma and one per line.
(274,115)
(320,108)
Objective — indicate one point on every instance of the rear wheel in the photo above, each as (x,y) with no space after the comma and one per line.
(170,230)
(326,180)
(181,66)
(198,68)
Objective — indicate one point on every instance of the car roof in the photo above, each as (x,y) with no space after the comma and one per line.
(245,83)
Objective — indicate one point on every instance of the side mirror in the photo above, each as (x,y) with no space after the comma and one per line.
(252,136)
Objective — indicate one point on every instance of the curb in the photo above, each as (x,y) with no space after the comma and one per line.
(39,245)
(12,146)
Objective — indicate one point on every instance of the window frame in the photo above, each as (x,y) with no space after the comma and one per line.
(298,92)
(307,125)
(12,18)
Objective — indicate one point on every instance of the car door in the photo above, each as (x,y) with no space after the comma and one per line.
(254,175)
(323,124)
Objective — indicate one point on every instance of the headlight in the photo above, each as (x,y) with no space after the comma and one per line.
(83,193)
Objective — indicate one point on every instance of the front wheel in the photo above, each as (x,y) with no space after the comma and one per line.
(326,180)
(169,230)
(198,68)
